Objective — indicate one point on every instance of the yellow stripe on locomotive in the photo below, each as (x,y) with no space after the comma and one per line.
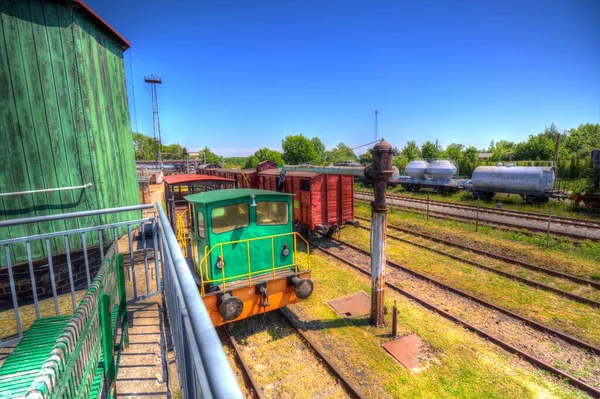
(245,252)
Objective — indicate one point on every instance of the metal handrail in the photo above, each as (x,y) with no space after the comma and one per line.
(48,218)
(295,264)
(202,337)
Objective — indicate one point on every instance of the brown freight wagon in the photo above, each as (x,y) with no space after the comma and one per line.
(244,178)
(322,202)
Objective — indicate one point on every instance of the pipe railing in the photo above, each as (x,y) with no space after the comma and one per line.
(204,370)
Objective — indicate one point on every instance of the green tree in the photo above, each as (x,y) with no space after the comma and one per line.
(206,155)
(298,150)
(144,147)
(264,154)
(235,162)
(454,152)
(341,153)
(429,150)
(319,149)
(172,151)
(366,157)
(411,151)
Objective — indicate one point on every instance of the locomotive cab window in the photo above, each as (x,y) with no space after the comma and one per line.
(200,224)
(271,213)
(230,217)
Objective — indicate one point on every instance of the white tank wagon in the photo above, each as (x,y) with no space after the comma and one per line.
(441,170)
(416,169)
(533,183)
(439,175)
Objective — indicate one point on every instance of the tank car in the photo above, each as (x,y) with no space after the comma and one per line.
(533,183)
(245,253)
(438,175)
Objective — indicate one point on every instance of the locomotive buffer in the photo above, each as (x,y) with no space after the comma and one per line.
(380,172)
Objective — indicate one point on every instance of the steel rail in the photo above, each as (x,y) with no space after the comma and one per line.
(350,388)
(511,276)
(555,273)
(494,223)
(238,353)
(574,381)
(532,323)
(504,212)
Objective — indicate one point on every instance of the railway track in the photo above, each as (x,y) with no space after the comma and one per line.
(513,220)
(532,283)
(510,347)
(347,385)
(527,215)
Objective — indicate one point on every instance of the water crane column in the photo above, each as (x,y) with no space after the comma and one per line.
(380,172)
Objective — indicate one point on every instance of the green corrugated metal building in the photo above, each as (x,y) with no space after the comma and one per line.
(64,116)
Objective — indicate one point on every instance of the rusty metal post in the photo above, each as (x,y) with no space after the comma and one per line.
(395,321)
(380,171)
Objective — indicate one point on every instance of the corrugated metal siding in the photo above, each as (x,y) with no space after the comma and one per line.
(64,119)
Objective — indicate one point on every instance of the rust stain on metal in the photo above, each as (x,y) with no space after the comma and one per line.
(358,304)
(405,350)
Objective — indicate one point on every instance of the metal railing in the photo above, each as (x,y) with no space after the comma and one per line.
(203,368)
(202,267)
(41,286)
(69,270)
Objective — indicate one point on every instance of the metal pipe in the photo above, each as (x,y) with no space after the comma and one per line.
(222,380)
(48,218)
(46,190)
(338,170)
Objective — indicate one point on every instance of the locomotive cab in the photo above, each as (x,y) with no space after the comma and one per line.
(245,252)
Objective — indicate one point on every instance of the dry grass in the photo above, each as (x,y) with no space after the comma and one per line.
(467,366)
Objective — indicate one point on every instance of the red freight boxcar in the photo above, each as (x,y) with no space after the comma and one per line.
(322,202)
(245,178)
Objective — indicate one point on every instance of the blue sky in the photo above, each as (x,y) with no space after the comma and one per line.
(239,75)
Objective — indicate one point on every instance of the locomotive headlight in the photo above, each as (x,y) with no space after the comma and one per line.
(220,263)
(286,250)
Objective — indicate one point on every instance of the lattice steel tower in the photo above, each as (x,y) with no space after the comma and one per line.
(154,80)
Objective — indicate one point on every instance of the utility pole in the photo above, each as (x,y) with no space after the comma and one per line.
(376,123)
(154,80)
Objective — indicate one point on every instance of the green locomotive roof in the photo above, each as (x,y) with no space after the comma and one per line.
(223,195)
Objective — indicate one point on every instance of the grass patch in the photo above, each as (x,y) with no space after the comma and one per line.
(553,310)
(466,366)
(512,202)
(561,255)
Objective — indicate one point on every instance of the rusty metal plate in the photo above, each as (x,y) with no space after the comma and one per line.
(358,304)
(406,350)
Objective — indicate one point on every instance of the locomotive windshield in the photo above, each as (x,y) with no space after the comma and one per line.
(271,213)
(230,217)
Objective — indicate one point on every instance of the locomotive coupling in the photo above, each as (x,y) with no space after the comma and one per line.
(303,286)
(230,307)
